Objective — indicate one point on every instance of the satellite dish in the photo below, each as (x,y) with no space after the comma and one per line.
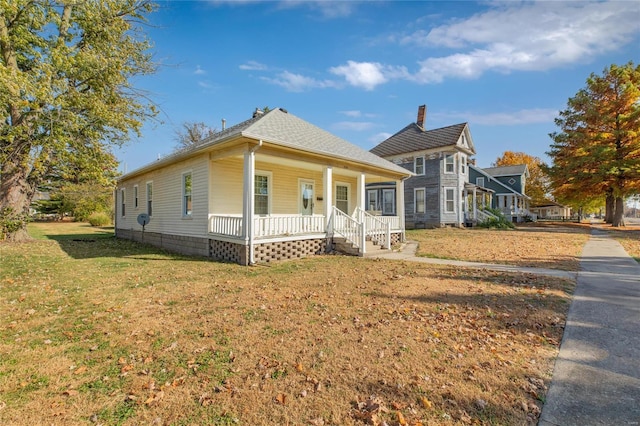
(143,219)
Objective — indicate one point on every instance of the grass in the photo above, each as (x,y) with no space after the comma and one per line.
(628,237)
(99,330)
(531,246)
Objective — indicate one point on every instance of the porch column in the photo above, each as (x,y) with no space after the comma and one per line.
(327,194)
(360,197)
(248,189)
(400,204)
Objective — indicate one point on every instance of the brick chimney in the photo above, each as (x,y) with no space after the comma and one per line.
(422,112)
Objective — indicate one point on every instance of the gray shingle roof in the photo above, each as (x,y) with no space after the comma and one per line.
(518,170)
(282,128)
(413,138)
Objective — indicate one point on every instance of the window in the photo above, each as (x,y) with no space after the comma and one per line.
(261,194)
(449,200)
(449,163)
(150,198)
(186,194)
(342,198)
(388,201)
(463,164)
(419,195)
(135,197)
(372,199)
(480,182)
(122,204)
(512,181)
(418,165)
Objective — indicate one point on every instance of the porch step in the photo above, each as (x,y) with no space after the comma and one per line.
(341,245)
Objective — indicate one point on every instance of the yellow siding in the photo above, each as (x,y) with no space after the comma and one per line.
(226,186)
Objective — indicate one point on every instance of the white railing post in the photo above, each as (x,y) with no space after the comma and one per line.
(363,237)
(388,239)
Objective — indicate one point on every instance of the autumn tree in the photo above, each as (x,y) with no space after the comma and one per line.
(65,91)
(596,152)
(538,182)
(192,133)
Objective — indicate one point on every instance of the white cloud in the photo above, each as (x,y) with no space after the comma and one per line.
(379,137)
(299,83)
(205,85)
(253,66)
(199,71)
(327,9)
(368,75)
(356,126)
(512,118)
(357,114)
(527,37)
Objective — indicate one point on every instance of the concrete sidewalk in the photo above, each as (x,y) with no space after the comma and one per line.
(596,380)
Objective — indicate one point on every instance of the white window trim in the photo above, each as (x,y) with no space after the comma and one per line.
(186,215)
(480,182)
(415,165)
(415,200)
(375,196)
(392,191)
(453,168)
(335,194)
(123,204)
(146,196)
(136,197)
(446,189)
(269,176)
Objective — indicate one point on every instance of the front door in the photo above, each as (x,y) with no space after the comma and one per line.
(306,197)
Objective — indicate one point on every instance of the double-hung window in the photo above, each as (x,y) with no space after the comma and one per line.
(372,199)
(420,198)
(463,164)
(480,182)
(261,194)
(418,165)
(449,200)
(388,201)
(187,185)
(449,163)
(150,198)
(135,197)
(122,203)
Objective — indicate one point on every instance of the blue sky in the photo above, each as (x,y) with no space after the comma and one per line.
(361,69)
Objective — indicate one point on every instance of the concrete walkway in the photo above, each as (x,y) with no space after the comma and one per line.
(596,379)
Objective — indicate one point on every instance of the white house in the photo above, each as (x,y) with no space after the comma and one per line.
(272,187)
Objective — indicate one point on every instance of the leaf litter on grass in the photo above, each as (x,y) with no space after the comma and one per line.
(325,340)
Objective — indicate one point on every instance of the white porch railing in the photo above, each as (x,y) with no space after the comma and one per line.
(378,230)
(270,226)
(483,215)
(225,225)
(348,227)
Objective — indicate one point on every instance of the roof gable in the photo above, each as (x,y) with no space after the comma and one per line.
(490,178)
(517,170)
(413,138)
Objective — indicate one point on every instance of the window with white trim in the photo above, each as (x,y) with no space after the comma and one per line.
(449,163)
(150,198)
(419,195)
(449,200)
(261,194)
(372,199)
(187,200)
(388,201)
(418,165)
(463,164)
(135,197)
(342,197)
(480,181)
(122,203)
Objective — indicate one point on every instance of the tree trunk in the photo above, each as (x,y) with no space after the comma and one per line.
(609,208)
(618,217)
(15,198)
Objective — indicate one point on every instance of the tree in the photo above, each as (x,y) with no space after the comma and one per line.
(192,133)
(538,182)
(65,92)
(596,153)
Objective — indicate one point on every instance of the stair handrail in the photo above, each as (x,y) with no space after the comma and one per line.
(375,228)
(351,229)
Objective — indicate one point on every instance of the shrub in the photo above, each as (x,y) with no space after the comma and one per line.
(99,219)
(499,222)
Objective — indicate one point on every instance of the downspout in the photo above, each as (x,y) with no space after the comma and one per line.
(250,202)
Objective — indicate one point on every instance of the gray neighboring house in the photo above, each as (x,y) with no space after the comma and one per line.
(440,193)
(509,185)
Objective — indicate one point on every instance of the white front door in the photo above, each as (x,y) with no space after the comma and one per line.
(306,197)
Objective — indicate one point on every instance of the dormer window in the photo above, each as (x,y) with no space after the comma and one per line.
(449,163)
(418,165)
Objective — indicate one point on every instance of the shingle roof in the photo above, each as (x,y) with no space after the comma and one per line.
(518,170)
(282,128)
(413,138)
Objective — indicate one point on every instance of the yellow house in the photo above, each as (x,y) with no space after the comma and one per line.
(272,187)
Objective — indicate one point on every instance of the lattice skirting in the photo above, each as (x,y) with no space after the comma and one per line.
(230,252)
(282,250)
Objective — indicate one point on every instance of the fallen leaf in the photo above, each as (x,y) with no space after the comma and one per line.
(80,369)
(281,398)
(425,402)
(401,419)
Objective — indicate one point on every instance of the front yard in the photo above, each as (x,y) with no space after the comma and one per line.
(96,330)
